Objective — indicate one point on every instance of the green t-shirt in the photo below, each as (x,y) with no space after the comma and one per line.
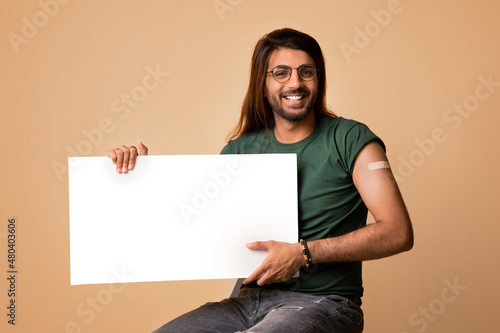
(329,203)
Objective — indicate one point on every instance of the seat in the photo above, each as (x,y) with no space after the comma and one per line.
(237,288)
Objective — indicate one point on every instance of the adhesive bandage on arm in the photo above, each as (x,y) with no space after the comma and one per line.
(378,165)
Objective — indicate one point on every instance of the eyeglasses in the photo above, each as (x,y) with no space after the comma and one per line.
(283,73)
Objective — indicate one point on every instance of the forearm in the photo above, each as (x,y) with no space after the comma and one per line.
(377,240)
(391,234)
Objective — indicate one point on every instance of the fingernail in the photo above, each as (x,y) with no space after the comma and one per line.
(124,169)
(130,166)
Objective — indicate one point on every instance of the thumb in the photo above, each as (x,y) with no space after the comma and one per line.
(257,245)
(143,150)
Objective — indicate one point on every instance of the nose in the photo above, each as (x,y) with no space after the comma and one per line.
(295,80)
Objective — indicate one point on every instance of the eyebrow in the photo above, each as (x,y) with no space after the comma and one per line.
(293,67)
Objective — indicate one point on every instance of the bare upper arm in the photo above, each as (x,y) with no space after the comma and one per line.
(375,182)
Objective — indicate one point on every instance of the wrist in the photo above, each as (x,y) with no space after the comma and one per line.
(307,260)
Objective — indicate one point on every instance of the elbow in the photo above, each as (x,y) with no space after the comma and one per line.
(407,245)
(406,239)
(400,244)
(400,238)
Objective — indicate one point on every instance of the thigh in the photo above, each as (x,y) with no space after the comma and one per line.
(228,315)
(312,314)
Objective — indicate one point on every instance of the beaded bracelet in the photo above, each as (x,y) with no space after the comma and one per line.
(305,251)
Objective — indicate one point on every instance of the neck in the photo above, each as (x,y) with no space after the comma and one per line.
(287,131)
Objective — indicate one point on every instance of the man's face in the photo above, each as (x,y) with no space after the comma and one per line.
(293,100)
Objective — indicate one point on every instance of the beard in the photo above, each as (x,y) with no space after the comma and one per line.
(279,109)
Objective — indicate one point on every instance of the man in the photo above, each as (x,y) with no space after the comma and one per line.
(342,172)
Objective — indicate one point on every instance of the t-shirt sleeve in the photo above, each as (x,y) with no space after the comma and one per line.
(227,149)
(353,140)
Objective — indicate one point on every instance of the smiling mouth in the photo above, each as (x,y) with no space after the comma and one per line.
(294,97)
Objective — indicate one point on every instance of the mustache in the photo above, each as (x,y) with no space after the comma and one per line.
(298,91)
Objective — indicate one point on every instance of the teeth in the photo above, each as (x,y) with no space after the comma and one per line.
(294,98)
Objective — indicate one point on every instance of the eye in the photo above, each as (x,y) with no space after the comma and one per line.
(307,71)
(281,73)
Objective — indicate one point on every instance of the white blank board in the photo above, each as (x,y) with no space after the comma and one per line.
(184,217)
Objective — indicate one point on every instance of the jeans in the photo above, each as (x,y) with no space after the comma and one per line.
(266,310)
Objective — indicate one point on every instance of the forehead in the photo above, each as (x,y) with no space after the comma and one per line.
(289,57)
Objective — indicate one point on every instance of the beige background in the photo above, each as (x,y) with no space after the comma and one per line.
(65,68)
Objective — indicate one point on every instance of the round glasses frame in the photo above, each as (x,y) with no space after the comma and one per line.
(301,70)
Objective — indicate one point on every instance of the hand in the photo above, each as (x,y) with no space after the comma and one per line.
(282,262)
(124,157)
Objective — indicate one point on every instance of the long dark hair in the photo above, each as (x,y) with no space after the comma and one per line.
(256,113)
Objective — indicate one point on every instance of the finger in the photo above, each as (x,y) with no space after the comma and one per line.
(126,157)
(142,148)
(132,158)
(258,273)
(260,270)
(112,154)
(262,280)
(119,159)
